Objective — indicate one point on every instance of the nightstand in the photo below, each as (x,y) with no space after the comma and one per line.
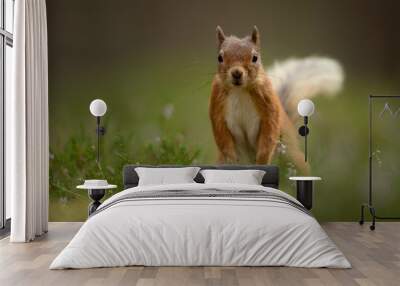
(96,192)
(305,190)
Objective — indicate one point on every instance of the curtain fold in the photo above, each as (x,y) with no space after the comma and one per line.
(27,141)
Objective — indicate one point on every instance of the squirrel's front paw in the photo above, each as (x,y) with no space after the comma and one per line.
(228,157)
(262,158)
(232,160)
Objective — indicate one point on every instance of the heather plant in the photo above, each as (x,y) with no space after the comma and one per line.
(76,162)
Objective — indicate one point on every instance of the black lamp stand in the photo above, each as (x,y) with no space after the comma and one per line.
(100,131)
(97,194)
(304,131)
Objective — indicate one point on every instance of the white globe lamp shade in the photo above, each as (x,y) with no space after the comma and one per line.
(98,107)
(305,107)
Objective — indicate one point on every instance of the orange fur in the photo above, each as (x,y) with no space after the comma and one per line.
(237,55)
(270,112)
(224,139)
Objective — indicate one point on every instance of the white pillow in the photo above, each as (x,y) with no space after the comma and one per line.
(248,177)
(163,176)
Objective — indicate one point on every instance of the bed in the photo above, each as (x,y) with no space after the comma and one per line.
(198,224)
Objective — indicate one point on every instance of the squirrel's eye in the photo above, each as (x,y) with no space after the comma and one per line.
(220,59)
(254,59)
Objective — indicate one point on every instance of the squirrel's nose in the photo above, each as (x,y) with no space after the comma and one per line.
(237,74)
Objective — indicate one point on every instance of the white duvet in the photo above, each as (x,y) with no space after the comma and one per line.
(200,231)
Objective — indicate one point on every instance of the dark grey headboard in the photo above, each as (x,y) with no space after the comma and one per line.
(271,177)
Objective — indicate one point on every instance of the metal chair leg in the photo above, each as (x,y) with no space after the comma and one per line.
(361,222)
(372,211)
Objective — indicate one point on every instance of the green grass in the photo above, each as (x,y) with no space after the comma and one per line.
(159,115)
(77,162)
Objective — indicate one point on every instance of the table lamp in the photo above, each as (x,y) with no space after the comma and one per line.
(98,108)
(305,108)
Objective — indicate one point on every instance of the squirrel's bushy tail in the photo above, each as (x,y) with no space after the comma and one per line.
(296,79)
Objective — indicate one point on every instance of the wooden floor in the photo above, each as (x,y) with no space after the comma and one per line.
(375,257)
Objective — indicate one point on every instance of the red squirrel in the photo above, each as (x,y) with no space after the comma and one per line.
(248,118)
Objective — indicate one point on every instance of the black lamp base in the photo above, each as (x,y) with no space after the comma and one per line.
(96,195)
(305,193)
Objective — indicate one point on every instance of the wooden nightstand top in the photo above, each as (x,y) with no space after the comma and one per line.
(305,178)
(86,187)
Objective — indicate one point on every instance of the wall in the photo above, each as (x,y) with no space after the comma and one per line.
(153,63)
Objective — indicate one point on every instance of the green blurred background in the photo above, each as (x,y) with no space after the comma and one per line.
(153,63)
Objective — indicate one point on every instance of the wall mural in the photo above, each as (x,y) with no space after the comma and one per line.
(195,82)
(252,111)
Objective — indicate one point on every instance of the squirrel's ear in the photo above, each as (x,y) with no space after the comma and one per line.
(220,36)
(255,36)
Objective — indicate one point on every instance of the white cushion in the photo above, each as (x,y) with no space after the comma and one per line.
(164,176)
(248,177)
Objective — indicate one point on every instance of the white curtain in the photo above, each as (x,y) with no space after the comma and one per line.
(27,143)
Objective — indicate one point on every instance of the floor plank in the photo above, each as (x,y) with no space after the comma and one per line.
(375,257)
